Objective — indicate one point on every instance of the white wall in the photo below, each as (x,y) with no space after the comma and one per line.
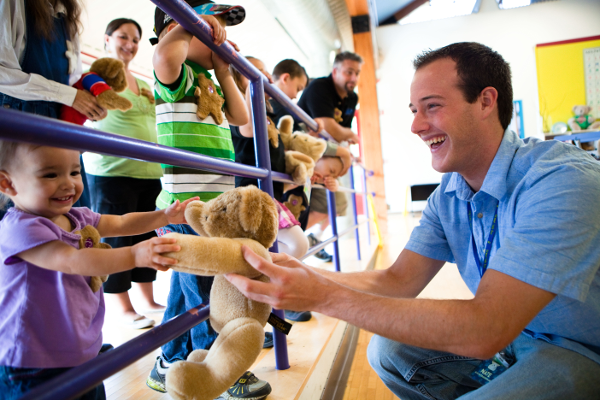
(513,33)
(259,35)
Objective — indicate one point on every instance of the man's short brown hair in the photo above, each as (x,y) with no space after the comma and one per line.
(478,67)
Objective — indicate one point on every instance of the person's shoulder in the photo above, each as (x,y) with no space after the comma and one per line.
(318,85)
(84,216)
(547,155)
(557,163)
(324,81)
(18,226)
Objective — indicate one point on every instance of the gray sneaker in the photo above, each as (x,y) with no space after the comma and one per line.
(321,254)
(156,380)
(248,387)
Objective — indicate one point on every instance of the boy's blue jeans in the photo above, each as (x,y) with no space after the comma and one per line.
(16,382)
(187,291)
(541,371)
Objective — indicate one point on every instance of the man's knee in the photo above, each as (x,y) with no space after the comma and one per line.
(380,353)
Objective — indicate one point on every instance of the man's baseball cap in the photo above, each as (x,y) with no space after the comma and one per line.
(233,14)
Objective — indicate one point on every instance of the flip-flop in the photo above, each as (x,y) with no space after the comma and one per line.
(140,322)
(153,311)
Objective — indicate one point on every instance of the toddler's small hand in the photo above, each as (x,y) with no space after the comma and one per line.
(148,253)
(331,184)
(176,212)
(219,33)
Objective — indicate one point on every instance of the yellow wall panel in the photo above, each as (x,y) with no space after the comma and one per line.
(561,78)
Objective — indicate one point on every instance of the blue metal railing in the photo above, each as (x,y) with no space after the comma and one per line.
(46,131)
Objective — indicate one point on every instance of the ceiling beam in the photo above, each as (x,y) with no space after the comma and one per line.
(403,12)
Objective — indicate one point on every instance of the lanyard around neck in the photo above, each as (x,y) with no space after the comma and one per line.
(488,246)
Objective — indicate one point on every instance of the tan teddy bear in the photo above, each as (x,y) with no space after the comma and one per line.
(243,216)
(104,80)
(302,151)
(208,100)
(90,238)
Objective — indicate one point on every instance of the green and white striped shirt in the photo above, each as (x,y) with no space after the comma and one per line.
(178,126)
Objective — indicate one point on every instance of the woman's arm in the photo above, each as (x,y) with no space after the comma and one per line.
(13,81)
(248,129)
(236,110)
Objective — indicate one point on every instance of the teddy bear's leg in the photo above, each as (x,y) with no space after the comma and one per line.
(237,347)
(197,355)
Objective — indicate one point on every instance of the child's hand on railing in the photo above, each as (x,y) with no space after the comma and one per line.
(219,33)
(331,184)
(148,253)
(175,213)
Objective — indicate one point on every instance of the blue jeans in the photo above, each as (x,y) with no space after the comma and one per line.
(187,291)
(16,382)
(541,371)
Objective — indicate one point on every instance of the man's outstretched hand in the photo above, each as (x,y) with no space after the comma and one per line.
(292,286)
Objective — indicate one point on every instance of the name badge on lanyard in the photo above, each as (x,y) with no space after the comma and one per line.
(482,266)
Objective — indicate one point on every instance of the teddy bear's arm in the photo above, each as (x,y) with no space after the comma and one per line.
(214,256)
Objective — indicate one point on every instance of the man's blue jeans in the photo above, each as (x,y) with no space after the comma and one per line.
(187,291)
(541,371)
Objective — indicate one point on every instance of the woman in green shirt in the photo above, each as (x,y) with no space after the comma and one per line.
(119,185)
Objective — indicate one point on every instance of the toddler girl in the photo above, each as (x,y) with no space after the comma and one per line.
(50,319)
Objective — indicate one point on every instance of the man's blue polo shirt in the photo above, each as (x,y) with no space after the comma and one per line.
(548,197)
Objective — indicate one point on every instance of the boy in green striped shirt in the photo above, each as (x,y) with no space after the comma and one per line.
(181,63)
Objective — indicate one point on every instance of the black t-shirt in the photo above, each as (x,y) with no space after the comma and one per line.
(244,153)
(320,99)
(278,111)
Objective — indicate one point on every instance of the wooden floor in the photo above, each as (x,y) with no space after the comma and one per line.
(312,345)
(363,382)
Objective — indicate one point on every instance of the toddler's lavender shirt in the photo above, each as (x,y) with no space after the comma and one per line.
(48,319)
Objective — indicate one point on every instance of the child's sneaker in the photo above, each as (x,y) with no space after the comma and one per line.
(156,380)
(248,387)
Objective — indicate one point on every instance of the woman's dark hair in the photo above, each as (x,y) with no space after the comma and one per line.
(477,67)
(44,20)
(117,23)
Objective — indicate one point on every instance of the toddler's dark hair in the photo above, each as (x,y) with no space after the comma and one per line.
(291,67)
(8,150)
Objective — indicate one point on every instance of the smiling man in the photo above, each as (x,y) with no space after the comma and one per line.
(518,219)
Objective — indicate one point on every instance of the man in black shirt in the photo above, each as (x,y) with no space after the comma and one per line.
(331,101)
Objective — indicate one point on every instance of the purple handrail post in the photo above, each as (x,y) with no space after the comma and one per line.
(366,205)
(354,213)
(263,160)
(333,222)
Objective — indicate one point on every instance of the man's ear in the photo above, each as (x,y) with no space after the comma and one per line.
(285,77)
(488,99)
(6,185)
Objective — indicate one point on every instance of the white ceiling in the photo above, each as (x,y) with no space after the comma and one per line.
(311,31)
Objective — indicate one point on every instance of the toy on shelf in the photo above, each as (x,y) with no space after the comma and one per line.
(584,121)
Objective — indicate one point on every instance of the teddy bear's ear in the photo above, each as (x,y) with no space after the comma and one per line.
(258,215)
(193,216)
(286,124)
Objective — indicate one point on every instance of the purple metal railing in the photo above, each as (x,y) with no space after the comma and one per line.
(45,131)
